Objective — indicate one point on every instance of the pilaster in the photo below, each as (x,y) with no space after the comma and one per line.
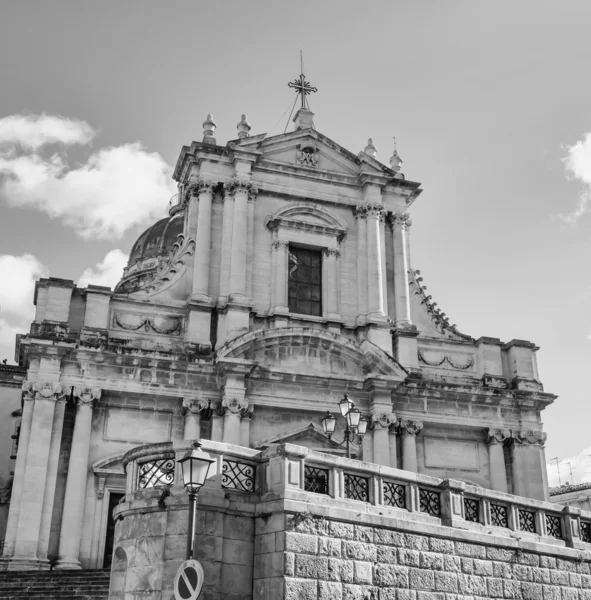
(202,194)
(528,463)
(280,249)
(330,265)
(381,424)
(34,486)
(495,439)
(361,219)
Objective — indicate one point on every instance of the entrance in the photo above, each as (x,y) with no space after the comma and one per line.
(114,499)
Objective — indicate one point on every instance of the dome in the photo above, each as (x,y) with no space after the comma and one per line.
(151,249)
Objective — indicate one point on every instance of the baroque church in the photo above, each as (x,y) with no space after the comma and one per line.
(280,281)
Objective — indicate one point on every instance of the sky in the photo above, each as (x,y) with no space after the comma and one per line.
(490,103)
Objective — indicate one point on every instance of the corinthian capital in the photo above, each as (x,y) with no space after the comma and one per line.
(201,186)
(360,211)
(42,390)
(385,420)
(530,436)
(87,395)
(238,186)
(410,427)
(234,404)
(401,220)
(195,405)
(497,436)
(375,211)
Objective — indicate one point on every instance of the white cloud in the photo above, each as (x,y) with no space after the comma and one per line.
(116,188)
(18,275)
(578,166)
(108,272)
(34,131)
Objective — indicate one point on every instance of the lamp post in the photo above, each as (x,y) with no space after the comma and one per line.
(195,467)
(355,424)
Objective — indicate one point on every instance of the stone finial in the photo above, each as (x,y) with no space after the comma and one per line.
(209,126)
(370,148)
(395,160)
(304,119)
(243,127)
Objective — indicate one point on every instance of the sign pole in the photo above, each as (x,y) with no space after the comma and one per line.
(191,526)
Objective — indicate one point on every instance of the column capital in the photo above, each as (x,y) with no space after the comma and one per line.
(195,405)
(410,427)
(239,186)
(280,245)
(233,404)
(201,186)
(383,420)
(528,437)
(360,211)
(328,252)
(375,211)
(401,220)
(246,413)
(87,396)
(497,436)
(42,390)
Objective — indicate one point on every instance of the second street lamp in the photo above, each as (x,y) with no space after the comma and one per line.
(356,425)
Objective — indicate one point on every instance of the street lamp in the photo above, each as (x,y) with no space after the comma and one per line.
(355,423)
(195,467)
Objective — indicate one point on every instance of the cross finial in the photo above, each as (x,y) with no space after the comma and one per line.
(302,87)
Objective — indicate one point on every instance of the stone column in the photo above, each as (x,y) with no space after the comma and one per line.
(375,282)
(330,265)
(496,458)
(233,407)
(241,190)
(51,479)
(19,469)
(35,477)
(192,408)
(280,274)
(73,510)
(409,430)
(226,250)
(381,438)
(383,262)
(361,217)
(204,191)
(527,454)
(400,225)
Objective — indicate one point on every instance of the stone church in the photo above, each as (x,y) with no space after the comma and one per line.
(281,281)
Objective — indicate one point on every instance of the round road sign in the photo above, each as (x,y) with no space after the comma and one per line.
(188,580)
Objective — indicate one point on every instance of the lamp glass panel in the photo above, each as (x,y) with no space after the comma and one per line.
(329,423)
(362,429)
(345,405)
(353,417)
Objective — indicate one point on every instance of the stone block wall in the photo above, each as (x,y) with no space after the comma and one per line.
(333,560)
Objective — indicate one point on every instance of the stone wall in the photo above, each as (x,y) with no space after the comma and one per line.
(334,560)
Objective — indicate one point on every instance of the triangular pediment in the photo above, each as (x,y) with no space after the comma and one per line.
(312,151)
(310,436)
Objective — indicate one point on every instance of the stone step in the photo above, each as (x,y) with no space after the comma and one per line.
(55,585)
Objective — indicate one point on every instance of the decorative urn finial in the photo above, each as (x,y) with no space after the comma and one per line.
(395,160)
(370,148)
(209,126)
(243,127)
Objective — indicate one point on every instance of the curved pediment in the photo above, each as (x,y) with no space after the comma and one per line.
(308,216)
(313,352)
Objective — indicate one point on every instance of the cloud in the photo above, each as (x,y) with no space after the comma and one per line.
(578,166)
(108,272)
(115,189)
(34,131)
(18,274)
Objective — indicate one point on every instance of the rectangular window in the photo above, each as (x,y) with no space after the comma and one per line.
(305,281)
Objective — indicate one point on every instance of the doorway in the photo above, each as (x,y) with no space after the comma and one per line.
(114,499)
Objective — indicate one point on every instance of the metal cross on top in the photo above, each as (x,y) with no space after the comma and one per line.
(302,87)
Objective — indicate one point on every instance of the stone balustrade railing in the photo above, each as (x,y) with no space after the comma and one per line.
(323,480)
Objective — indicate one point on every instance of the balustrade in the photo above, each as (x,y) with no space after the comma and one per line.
(288,468)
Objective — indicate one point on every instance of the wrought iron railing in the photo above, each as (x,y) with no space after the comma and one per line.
(553,526)
(238,476)
(356,487)
(499,515)
(527,520)
(586,531)
(156,473)
(316,479)
(394,494)
(430,502)
(471,510)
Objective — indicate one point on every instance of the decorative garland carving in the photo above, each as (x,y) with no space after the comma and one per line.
(42,390)
(439,319)
(148,323)
(447,359)
(233,404)
(331,252)
(529,436)
(385,420)
(195,405)
(87,395)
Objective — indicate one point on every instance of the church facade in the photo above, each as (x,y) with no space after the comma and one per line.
(280,281)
